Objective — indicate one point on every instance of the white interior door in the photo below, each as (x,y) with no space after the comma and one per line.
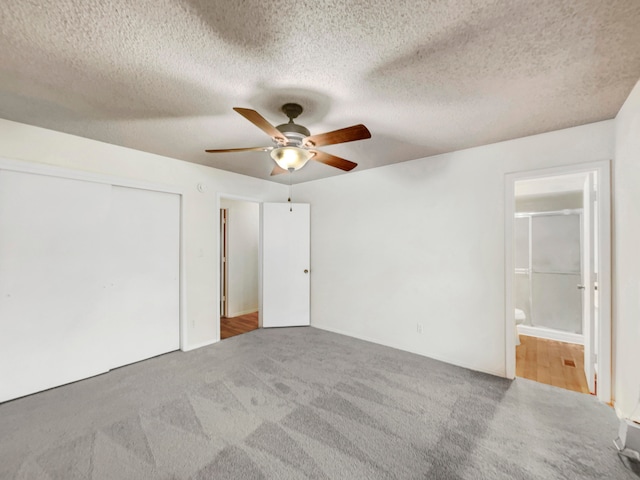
(286,272)
(52,253)
(144,274)
(588,282)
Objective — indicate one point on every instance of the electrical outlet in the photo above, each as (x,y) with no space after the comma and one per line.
(419,327)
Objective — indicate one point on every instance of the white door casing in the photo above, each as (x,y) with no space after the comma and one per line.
(224,266)
(602,215)
(588,283)
(286,270)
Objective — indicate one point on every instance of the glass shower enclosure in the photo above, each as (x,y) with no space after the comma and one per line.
(548,270)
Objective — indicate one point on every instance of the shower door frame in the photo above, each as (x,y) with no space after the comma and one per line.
(549,332)
(603,172)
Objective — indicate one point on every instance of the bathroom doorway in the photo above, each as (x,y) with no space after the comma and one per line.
(558,277)
(239,266)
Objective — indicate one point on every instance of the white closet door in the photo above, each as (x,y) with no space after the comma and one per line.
(144,269)
(51,299)
(89,279)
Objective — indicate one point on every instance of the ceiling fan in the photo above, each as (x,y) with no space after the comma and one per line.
(293,144)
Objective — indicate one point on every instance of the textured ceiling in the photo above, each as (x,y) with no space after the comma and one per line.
(425,77)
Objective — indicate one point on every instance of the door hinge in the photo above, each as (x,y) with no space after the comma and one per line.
(594,358)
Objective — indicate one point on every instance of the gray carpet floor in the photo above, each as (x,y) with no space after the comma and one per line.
(304,403)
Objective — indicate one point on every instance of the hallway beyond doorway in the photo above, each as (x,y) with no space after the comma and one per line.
(230,327)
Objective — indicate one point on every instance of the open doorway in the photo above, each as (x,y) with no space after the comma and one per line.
(239,266)
(558,277)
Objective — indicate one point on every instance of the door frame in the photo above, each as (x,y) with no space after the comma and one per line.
(239,198)
(224,261)
(603,170)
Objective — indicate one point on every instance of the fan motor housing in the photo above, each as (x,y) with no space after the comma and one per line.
(295,133)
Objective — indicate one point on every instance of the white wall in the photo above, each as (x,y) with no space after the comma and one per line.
(626,251)
(243,230)
(423,241)
(200,212)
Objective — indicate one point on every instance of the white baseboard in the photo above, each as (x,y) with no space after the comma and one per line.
(188,348)
(551,334)
(404,349)
(242,312)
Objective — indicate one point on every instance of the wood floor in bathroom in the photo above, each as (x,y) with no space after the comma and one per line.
(554,363)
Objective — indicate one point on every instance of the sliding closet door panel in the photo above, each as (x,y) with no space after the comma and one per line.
(144,269)
(52,257)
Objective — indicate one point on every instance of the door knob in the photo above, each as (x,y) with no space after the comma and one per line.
(306,271)
(581,287)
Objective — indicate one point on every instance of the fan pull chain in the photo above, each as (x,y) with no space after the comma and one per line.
(290,188)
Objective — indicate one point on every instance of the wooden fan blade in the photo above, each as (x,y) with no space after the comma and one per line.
(277,170)
(262,123)
(332,160)
(248,149)
(349,134)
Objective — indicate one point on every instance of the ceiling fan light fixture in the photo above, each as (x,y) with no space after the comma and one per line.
(293,145)
(291,157)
